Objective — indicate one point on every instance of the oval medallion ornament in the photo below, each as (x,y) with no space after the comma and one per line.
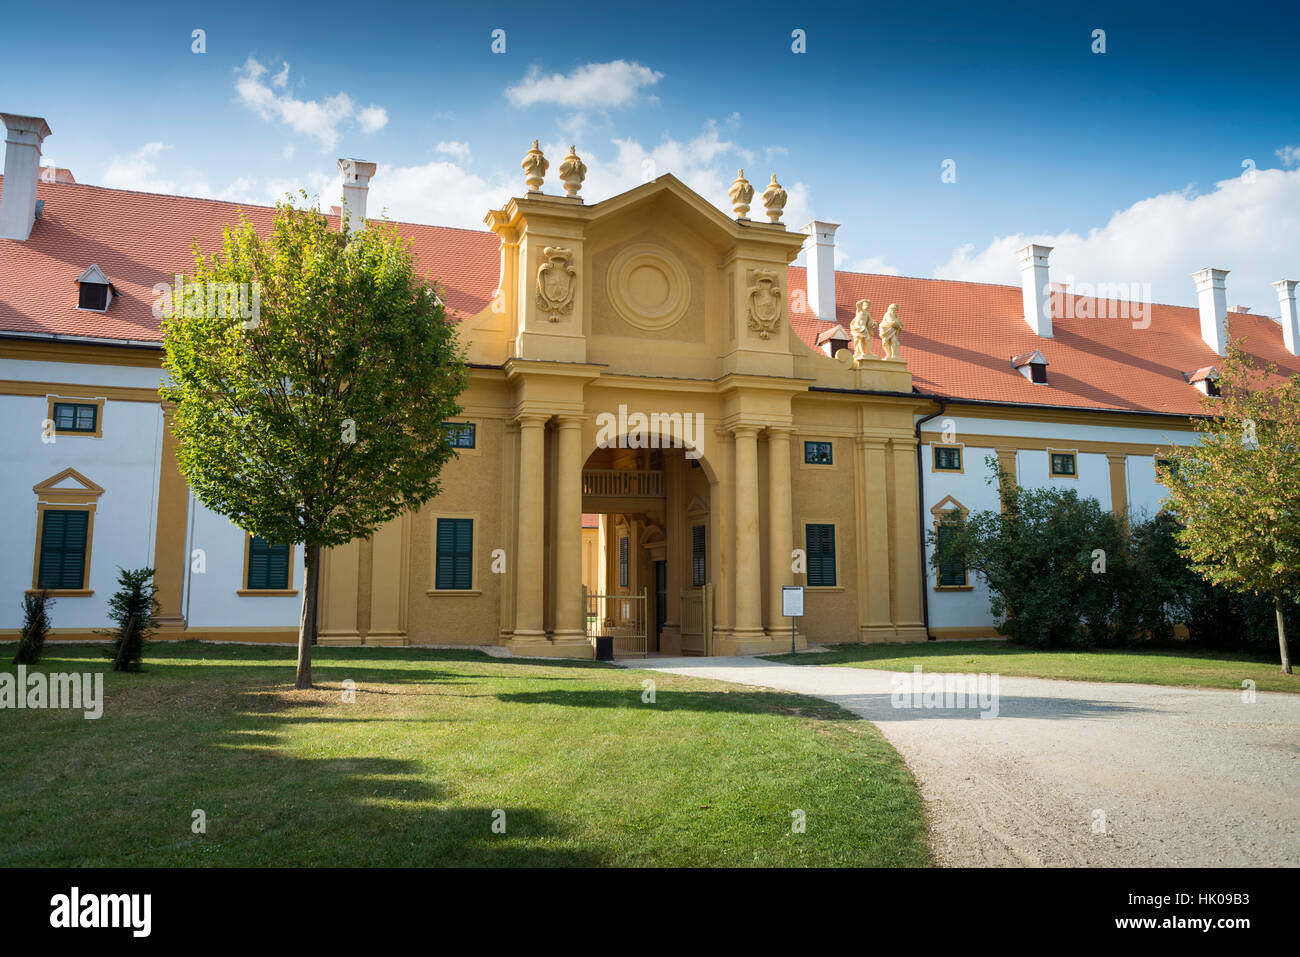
(648,287)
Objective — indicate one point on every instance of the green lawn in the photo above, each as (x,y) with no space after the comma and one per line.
(436,741)
(1192,669)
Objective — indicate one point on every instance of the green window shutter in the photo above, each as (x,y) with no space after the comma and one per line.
(63,549)
(950,572)
(455,557)
(268,565)
(698,565)
(820,541)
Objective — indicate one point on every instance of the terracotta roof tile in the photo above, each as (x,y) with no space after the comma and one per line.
(959,337)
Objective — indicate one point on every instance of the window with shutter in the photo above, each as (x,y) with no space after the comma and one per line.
(698,566)
(455,555)
(622,561)
(820,541)
(952,573)
(268,565)
(63,549)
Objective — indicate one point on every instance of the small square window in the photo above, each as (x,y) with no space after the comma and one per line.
(75,417)
(947,458)
(1063,463)
(1038,373)
(93,295)
(817,453)
(461,435)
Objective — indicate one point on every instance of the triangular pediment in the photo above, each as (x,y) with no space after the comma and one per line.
(68,483)
(697,506)
(947,505)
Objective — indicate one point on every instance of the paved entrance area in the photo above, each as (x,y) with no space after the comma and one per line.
(1078,773)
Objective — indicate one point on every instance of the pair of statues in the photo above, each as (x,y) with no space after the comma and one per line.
(862,327)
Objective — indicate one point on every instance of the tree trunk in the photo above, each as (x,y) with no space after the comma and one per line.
(1281,635)
(307,623)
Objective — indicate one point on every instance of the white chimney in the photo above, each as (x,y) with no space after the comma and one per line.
(1290,318)
(820,247)
(22,169)
(1036,289)
(356,185)
(1212,298)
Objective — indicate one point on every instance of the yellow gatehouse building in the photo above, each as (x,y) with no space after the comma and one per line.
(637,363)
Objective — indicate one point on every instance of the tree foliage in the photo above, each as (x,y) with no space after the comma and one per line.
(36,625)
(321,418)
(133,610)
(1055,564)
(1237,492)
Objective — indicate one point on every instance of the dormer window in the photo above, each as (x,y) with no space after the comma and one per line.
(833,340)
(1205,381)
(96,291)
(1031,365)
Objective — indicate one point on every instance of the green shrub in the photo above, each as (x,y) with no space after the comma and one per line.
(36,625)
(133,609)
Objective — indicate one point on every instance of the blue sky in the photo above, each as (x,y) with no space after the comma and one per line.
(1129,161)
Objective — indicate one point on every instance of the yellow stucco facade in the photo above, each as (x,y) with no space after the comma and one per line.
(638,363)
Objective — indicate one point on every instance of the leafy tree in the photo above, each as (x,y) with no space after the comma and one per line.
(133,608)
(318,419)
(1237,492)
(1057,565)
(36,625)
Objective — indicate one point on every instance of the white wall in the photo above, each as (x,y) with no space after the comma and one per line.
(967,609)
(124,462)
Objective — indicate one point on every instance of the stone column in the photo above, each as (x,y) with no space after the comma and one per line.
(569,624)
(531,508)
(749,569)
(169,559)
(1118,484)
(390,564)
(780,526)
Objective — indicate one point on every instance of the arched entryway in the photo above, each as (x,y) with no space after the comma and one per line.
(652,537)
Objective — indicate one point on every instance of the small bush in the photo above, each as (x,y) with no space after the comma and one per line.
(36,625)
(133,609)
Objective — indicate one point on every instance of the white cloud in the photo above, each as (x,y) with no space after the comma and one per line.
(317,118)
(139,171)
(373,118)
(1251,228)
(1289,155)
(454,148)
(596,85)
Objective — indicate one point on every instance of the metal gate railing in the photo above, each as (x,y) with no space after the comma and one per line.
(621,617)
(697,620)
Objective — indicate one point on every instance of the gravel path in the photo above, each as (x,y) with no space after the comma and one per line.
(1184,777)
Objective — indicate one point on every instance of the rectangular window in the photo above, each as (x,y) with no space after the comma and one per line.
(951,573)
(268,565)
(64,534)
(1063,463)
(460,434)
(622,561)
(817,453)
(75,417)
(93,295)
(821,556)
(1038,373)
(947,458)
(698,566)
(455,558)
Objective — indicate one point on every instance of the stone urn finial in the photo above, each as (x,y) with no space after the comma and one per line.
(535,167)
(741,193)
(774,198)
(572,171)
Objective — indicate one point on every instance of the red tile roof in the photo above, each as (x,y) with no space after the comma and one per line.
(959,337)
(140,239)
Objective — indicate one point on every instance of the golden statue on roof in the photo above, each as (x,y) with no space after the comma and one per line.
(861,329)
(890,327)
